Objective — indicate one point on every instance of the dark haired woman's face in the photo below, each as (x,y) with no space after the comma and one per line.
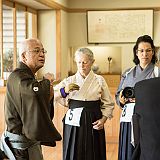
(144,53)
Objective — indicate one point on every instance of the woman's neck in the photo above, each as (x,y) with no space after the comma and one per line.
(84,75)
(143,66)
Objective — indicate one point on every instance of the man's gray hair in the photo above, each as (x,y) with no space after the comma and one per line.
(85,51)
(24,46)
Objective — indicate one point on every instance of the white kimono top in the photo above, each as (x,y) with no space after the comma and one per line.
(92,88)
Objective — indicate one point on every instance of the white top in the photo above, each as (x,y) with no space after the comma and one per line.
(92,88)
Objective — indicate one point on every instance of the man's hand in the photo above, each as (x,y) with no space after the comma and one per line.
(71,87)
(50,77)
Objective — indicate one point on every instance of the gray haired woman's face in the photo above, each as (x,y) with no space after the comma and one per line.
(84,64)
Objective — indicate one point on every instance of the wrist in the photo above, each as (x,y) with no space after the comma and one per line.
(104,118)
(66,90)
(51,85)
(63,93)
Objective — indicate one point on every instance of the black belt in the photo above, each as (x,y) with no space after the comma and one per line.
(86,104)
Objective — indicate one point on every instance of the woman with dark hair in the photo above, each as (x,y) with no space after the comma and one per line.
(144,59)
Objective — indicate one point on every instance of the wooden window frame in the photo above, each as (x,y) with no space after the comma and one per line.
(15,6)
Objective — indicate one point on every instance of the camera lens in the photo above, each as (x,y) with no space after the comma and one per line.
(128,92)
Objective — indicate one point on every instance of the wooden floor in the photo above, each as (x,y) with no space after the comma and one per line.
(111,128)
(56,152)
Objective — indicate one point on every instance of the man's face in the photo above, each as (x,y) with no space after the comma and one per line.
(35,56)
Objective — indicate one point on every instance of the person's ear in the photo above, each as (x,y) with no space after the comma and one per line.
(23,56)
(136,53)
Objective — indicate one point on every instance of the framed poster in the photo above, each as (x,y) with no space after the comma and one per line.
(123,26)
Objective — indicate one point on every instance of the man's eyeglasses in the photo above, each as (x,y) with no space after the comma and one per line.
(38,51)
(143,50)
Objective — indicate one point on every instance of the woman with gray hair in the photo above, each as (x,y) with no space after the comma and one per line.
(87,96)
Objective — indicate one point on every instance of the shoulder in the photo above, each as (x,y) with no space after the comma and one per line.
(98,76)
(157,71)
(149,83)
(100,79)
(19,76)
(69,79)
(127,71)
(65,82)
(23,73)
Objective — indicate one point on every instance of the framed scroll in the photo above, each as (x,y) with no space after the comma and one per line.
(123,26)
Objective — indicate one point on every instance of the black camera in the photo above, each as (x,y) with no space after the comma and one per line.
(128,92)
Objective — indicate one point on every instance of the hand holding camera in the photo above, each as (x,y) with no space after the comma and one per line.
(127,95)
(128,92)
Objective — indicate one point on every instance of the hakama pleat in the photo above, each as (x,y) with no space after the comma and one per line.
(84,142)
(125,150)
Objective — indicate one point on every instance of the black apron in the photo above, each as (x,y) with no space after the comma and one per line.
(84,142)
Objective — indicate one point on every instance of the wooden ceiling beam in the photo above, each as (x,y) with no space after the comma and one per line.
(52,4)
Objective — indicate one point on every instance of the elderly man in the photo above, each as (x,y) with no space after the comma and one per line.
(29,106)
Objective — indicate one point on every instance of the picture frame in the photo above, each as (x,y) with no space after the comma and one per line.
(122,26)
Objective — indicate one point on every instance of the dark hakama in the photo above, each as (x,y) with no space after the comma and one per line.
(84,142)
(28,114)
(125,150)
(147,122)
(129,78)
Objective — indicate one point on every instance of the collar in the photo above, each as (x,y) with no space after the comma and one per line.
(23,66)
(89,74)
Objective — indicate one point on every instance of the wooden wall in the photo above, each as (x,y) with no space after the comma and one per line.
(2,120)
